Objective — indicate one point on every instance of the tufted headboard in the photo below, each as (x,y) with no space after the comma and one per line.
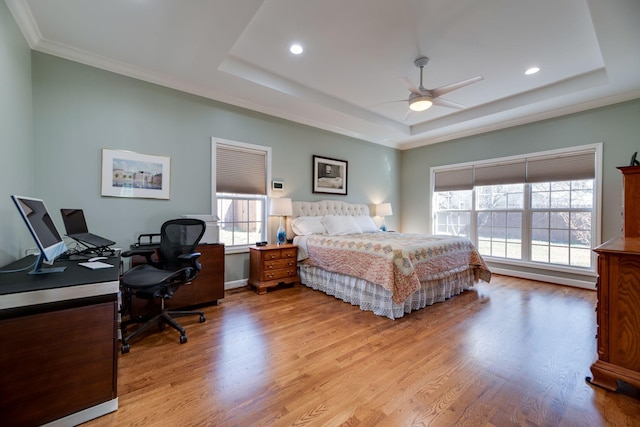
(325,207)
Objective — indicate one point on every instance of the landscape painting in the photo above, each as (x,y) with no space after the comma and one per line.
(129,174)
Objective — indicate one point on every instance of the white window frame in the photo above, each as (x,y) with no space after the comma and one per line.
(596,228)
(214,199)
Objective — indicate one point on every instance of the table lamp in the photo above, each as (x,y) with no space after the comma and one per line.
(281,207)
(383,209)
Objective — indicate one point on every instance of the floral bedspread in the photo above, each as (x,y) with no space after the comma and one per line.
(395,261)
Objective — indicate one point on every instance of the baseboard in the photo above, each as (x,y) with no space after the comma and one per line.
(86,414)
(235,284)
(584,284)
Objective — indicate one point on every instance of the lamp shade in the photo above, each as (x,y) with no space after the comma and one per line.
(384,209)
(281,206)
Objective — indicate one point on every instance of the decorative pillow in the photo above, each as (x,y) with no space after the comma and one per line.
(339,225)
(366,223)
(306,225)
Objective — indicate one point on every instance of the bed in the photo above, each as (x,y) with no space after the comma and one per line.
(342,253)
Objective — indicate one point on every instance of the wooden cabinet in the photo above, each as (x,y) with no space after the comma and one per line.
(207,288)
(631,200)
(272,265)
(58,334)
(618,313)
(618,310)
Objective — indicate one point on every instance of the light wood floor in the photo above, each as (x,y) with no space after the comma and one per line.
(510,353)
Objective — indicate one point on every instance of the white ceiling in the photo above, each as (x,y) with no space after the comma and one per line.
(356,52)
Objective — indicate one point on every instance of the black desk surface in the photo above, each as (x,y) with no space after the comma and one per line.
(73,275)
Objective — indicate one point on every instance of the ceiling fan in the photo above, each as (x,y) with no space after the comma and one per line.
(422,98)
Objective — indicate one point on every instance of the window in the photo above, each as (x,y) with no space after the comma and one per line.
(240,178)
(534,209)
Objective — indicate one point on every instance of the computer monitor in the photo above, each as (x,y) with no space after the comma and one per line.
(43,230)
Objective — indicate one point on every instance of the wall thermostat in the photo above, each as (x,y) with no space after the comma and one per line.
(277,185)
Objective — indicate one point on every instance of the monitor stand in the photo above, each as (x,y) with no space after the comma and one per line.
(38,269)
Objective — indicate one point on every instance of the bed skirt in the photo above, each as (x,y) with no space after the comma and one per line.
(371,297)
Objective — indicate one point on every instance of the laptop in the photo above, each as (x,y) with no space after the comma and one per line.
(76,227)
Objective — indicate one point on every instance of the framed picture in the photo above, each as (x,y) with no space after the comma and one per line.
(329,175)
(129,174)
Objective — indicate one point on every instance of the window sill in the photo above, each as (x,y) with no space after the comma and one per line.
(231,250)
(587,272)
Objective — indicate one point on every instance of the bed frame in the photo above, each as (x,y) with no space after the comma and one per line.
(367,295)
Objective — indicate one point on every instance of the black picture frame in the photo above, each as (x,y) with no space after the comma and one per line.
(330,175)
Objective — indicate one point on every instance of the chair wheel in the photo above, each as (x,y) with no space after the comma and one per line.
(202,318)
(125,348)
(183,339)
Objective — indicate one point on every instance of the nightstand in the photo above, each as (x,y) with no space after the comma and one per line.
(272,265)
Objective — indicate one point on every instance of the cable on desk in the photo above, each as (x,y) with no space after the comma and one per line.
(23,268)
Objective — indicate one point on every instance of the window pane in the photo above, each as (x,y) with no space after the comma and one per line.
(559,255)
(452,216)
(241,219)
(514,250)
(580,257)
(560,215)
(540,197)
(500,197)
(539,253)
(453,223)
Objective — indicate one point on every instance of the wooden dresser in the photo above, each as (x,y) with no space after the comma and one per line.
(272,265)
(618,310)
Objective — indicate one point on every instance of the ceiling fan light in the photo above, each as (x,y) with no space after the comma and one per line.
(420,103)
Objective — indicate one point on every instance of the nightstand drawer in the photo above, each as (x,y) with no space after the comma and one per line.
(281,253)
(279,274)
(279,264)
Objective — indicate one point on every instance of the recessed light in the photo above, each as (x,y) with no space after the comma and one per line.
(296,49)
(532,70)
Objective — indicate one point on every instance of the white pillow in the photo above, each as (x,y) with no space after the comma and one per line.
(366,223)
(307,225)
(339,225)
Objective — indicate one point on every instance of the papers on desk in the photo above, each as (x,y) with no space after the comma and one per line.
(95,265)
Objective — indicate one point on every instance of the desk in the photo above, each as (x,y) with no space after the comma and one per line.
(59,358)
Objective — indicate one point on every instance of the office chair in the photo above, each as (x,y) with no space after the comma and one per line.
(177,265)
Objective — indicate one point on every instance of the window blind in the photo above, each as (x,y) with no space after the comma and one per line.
(573,166)
(501,173)
(240,170)
(454,179)
(568,166)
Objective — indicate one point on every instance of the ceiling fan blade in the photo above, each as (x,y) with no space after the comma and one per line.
(445,103)
(407,114)
(410,86)
(453,86)
(388,102)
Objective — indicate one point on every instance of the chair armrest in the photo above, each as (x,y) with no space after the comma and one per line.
(189,257)
(192,260)
(142,252)
(146,253)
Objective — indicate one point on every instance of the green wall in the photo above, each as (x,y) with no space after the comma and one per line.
(616,126)
(16,135)
(79,110)
(57,115)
